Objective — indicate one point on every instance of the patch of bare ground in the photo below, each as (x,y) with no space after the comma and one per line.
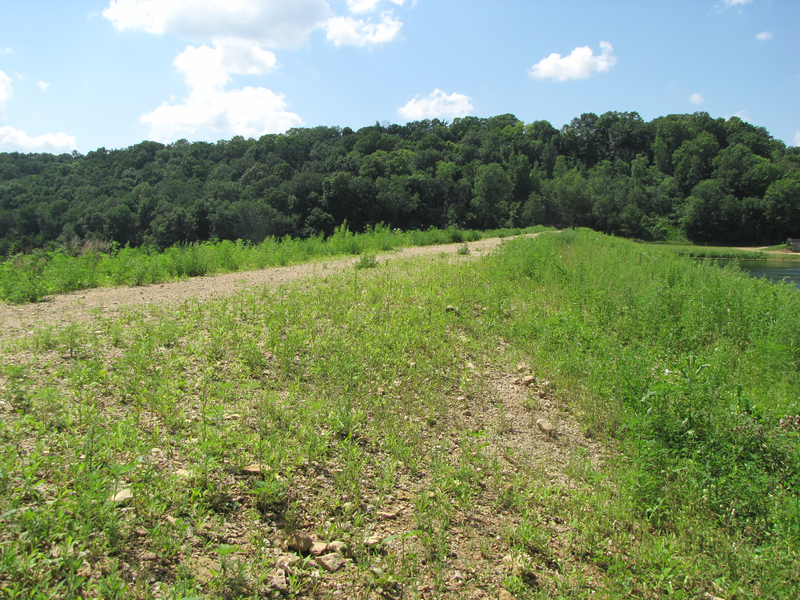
(87,305)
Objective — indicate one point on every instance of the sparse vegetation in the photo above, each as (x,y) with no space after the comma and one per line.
(363,410)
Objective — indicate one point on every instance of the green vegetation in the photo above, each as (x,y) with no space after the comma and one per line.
(381,390)
(676,177)
(33,277)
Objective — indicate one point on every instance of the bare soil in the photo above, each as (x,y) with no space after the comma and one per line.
(88,305)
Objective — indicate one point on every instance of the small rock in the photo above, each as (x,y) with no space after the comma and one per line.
(123,496)
(508,561)
(528,379)
(278,582)
(300,542)
(373,541)
(287,563)
(387,516)
(505,595)
(331,562)
(318,548)
(544,426)
(204,569)
(453,309)
(255,469)
(467,413)
(381,391)
(183,473)
(149,556)
(515,381)
(340,548)
(170,519)
(85,570)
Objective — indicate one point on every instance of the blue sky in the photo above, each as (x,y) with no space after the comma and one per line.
(90,73)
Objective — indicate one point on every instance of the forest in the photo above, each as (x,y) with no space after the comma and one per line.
(690,176)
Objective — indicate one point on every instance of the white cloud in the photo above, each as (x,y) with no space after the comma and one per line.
(250,112)
(764,36)
(207,68)
(580,64)
(5,88)
(696,98)
(272,22)
(797,139)
(6,50)
(741,114)
(365,6)
(437,105)
(15,140)
(346,31)
(362,6)
(730,3)
(43,85)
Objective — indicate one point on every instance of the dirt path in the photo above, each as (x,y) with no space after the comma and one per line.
(108,302)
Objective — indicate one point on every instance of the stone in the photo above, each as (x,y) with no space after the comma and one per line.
(183,473)
(318,548)
(331,562)
(278,582)
(521,367)
(255,469)
(528,380)
(453,309)
(505,595)
(373,541)
(149,556)
(287,563)
(467,413)
(122,497)
(387,515)
(544,426)
(340,548)
(381,391)
(300,542)
(204,569)
(233,417)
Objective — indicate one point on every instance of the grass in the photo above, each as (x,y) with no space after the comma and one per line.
(700,251)
(33,277)
(351,395)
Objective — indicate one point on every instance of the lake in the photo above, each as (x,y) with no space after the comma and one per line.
(775,270)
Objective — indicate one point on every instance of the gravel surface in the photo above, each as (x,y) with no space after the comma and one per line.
(85,305)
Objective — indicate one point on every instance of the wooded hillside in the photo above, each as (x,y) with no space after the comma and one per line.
(709,179)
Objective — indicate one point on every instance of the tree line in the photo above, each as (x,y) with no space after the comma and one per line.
(710,180)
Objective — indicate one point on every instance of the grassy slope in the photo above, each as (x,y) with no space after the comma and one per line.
(686,368)
(33,277)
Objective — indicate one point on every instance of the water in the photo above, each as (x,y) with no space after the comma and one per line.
(774,270)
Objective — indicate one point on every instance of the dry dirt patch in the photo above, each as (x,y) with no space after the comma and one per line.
(88,305)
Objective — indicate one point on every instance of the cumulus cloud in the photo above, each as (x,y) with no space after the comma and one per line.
(250,112)
(764,36)
(696,98)
(437,105)
(5,88)
(347,31)
(580,64)
(365,6)
(211,68)
(15,140)
(797,139)
(43,85)
(274,23)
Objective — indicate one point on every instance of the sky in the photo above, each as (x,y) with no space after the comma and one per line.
(86,74)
